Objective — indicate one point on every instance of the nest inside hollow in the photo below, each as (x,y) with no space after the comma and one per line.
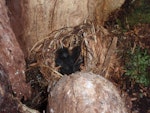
(82,48)
(91,45)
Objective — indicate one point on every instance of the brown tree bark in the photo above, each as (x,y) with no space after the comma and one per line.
(11,56)
(32,20)
(8,103)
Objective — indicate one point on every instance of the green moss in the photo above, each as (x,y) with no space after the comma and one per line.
(137,66)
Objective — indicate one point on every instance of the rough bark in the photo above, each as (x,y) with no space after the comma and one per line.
(11,56)
(85,93)
(8,103)
(37,18)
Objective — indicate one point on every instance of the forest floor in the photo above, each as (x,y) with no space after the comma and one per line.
(138,91)
(132,27)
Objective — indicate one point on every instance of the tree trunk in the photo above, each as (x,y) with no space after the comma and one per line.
(11,56)
(32,20)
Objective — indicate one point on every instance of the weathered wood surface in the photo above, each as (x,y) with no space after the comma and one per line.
(32,20)
(11,56)
(7,104)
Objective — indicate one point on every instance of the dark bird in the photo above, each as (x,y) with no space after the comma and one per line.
(69,62)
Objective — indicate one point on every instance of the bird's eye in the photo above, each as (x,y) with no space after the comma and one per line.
(65,55)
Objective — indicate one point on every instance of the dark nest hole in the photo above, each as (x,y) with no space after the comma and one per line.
(67,61)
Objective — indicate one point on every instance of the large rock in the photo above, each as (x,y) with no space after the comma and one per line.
(85,93)
(11,56)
